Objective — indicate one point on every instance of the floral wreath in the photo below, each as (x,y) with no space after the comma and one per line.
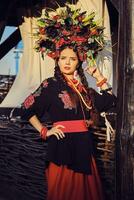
(68,26)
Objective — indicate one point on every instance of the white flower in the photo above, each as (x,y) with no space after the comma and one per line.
(61,11)
(90,40)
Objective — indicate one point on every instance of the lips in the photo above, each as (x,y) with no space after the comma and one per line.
(67,68)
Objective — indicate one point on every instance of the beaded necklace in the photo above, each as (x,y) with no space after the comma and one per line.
(74,84)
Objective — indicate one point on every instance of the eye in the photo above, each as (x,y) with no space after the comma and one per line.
(73,59)
(62,57)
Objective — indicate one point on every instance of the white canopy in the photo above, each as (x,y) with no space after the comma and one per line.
(33,70)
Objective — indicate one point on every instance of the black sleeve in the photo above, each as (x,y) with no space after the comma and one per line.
(37,103)
(104,102)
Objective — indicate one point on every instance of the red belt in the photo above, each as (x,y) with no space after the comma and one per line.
(72,126)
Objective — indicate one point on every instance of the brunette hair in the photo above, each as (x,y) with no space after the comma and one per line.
(74,97)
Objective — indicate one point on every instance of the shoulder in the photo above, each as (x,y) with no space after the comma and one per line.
(49,82)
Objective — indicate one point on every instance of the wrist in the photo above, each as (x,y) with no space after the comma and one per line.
(43,132)
(99,78)
(101,82)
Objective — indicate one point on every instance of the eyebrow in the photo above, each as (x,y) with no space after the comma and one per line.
(70,57)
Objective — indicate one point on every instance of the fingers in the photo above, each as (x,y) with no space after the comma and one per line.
(93,71)
(60,126)
(90,70)
(57,132)
(60,133)
(59,136)
(86,68)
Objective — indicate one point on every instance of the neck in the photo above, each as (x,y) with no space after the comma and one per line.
(71,76)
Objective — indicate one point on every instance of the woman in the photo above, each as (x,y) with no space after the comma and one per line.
(70,37)
(72,172)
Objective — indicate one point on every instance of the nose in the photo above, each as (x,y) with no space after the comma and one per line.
(68,61)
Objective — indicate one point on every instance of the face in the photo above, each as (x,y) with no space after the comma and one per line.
(68,62)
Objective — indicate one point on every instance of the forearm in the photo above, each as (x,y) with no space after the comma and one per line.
(101,81)
(105,85)
(36,123)
(44,132)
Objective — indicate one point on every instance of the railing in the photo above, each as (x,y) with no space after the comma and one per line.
(6,82)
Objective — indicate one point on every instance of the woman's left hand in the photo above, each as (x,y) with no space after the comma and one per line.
(94,72)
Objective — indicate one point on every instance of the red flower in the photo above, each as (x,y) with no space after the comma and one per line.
(81,17)
(58,25)
(42,31)
(61,42)
(29,101)
(78,39)
(56,17)
(53,54)
(76,28)
(93,32)
(64,32)
(42,50)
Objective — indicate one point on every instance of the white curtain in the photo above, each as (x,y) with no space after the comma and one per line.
(101,9)
(33,69)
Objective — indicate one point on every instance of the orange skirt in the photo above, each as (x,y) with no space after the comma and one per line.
(65,184)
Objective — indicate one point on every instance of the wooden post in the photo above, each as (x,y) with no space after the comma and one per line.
(125,118)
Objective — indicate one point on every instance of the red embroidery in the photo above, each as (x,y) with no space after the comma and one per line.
(29,101)
(45,83)
(66,100)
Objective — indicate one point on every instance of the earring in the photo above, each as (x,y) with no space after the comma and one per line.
(76,75)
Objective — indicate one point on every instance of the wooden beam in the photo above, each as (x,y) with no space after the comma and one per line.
(125,118)
(10,42)
(115,3)
(2,27)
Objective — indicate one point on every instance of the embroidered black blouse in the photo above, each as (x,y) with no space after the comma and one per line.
(74,150)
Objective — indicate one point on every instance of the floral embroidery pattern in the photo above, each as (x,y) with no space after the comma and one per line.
(29,101)
(45,83)
(66,100)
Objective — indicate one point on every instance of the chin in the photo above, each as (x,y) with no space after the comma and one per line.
(68,73)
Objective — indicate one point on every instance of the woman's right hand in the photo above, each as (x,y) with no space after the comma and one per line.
(56,130)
